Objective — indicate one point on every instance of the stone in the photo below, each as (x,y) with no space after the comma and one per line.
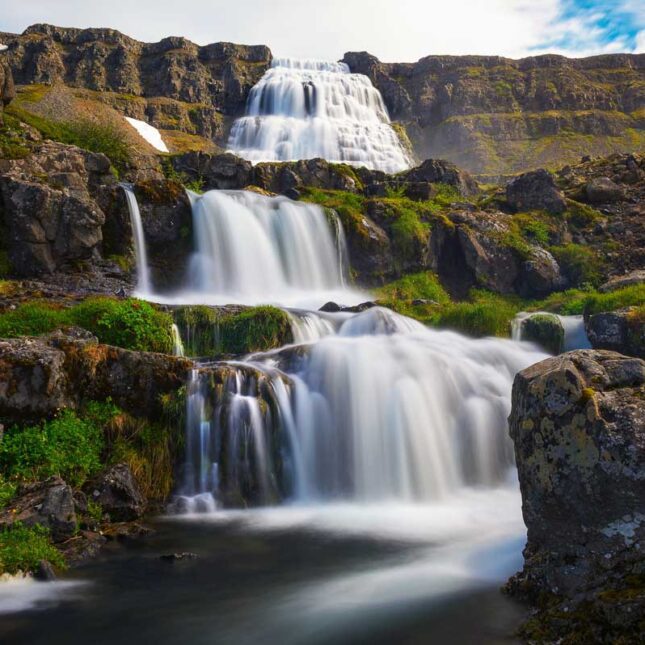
(602,190)
(578,427)
(331,307)
(540,274)
(545,330)
(119,495)
(177,557)
(535,190)
(48,503)
(44,572)
(443,172)
(620,281)
(621,331)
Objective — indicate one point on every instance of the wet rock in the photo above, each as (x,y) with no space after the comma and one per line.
(620,331)
(602,190)
(578,426)
(49,503)
(535,190)
(44,572)
(331,307)
(177,557)
(119,495)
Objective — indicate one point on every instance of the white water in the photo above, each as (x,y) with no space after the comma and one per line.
(149,133)
(304,109)
(575,335)
(143,271)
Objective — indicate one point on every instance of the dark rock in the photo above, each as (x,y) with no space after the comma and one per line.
(7,89)
(44,572)
(363,306)
(620,331)
(331,307)
(49,503)
(540,274)
(603,190)
(535,190)
(444,172)
(119,495)
(578,425)
(224,171)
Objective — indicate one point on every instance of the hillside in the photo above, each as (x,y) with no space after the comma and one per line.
(492,116)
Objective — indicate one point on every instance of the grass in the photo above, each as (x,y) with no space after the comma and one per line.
(579,301)
(67,446)
(581,264)
(131,324)
(22,548)
(7,491)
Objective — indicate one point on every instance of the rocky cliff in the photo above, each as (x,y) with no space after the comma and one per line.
(494,115)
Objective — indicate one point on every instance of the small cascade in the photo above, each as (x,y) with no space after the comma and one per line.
(143,271)
(177,343)
(256,248)
(302,109)
(310,326)
(384,409)
(575,334)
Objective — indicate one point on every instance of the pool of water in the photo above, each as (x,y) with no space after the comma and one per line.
(338,574)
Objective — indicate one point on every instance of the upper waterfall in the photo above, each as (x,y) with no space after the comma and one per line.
(303,109)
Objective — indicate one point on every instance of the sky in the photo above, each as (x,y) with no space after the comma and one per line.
(392,30)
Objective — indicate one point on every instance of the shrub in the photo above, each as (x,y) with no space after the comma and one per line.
(132,324)
(98,137)
(579,263)
(65,446)
(22,548)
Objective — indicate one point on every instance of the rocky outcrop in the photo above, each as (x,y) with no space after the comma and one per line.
(48,503)
(620,331)
(535,191)
(7,90)
(217,76)
(39,376)
(620,281)
(494,115)
(50,208)
(578,425)
(119,495)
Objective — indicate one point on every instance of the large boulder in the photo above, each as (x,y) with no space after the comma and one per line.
(578,425)
(444,172)
(48,503)
(535,190)
(602,190)
(620,281)
(545,330)
(621,331)
(7,89)
(119,495)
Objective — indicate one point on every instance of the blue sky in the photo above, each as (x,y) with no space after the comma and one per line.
(393,30)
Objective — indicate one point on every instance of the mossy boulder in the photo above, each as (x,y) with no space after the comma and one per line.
(621,331)
(545,330)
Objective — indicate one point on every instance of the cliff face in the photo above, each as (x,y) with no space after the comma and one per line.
(494,115)
(7,91)
(178,80)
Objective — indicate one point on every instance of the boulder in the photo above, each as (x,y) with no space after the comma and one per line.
(545,330)
(578,427)
(535,190)
(439,171)
(621,331)
(540,274)
(618,282)
(603,190)
(119,495)
(49,503)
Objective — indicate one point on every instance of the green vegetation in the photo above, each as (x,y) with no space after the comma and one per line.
(22,548)
(7,491)
(545,330)
(209,332)
(132,324)
(415,286)
(578,301)
(196,185)
(66,446)
(580,264)
(90,135)
(13,144)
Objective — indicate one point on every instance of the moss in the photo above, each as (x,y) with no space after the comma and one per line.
(208,331)
(131,324)
(580,215)
(545,330)
(7,491)
(414,286)
(22,549)
(124,262)
(158,192)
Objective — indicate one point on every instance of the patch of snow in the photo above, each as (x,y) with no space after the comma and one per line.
(3,47)
(149,133)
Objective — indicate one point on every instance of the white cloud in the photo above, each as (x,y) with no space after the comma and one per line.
(393,30)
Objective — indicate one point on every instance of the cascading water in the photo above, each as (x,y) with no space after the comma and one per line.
(143,272)
(307,109)
(575,334)
(384,409)
(256,249)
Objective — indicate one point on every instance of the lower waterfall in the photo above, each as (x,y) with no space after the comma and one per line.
(381,409)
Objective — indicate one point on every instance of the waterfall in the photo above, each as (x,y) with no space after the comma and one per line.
(252,248)
(304,109)
(143,272)
(383,409)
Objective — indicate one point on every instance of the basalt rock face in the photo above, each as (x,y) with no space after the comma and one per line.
(217,76)
(494,115)
(578,425)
